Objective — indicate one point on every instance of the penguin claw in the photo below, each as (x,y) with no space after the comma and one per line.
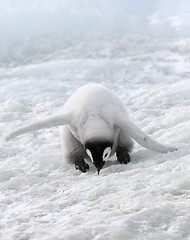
(123,157)
(82,167)
(87,166)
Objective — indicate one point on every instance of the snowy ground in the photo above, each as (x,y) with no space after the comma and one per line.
(41,197)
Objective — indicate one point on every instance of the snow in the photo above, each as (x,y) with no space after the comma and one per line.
(41,196)
(44,198)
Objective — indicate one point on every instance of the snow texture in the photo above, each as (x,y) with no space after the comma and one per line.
(44,198)
(41,196)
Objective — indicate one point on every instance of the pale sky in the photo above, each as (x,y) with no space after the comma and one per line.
(36,17)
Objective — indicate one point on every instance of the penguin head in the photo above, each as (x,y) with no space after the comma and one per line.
(99,152)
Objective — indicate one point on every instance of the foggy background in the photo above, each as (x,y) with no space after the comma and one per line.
(160,18)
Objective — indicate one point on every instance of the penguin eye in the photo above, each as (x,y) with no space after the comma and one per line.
(106,153)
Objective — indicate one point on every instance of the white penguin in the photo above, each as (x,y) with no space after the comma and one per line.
(95,125)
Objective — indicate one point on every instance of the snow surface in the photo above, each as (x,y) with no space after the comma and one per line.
(41,196)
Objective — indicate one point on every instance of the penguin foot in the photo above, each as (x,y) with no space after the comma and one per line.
(82,166)
(123,156)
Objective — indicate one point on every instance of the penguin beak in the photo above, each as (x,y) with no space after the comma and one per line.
(100,166)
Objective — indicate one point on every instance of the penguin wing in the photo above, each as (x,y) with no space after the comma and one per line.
(52,121)
(143,139)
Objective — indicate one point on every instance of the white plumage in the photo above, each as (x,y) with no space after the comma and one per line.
(95,112)
(94,118)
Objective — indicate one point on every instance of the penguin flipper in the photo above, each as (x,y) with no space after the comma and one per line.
(143,139)
(52,121)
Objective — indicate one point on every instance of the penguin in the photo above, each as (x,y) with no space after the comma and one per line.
(94,126)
